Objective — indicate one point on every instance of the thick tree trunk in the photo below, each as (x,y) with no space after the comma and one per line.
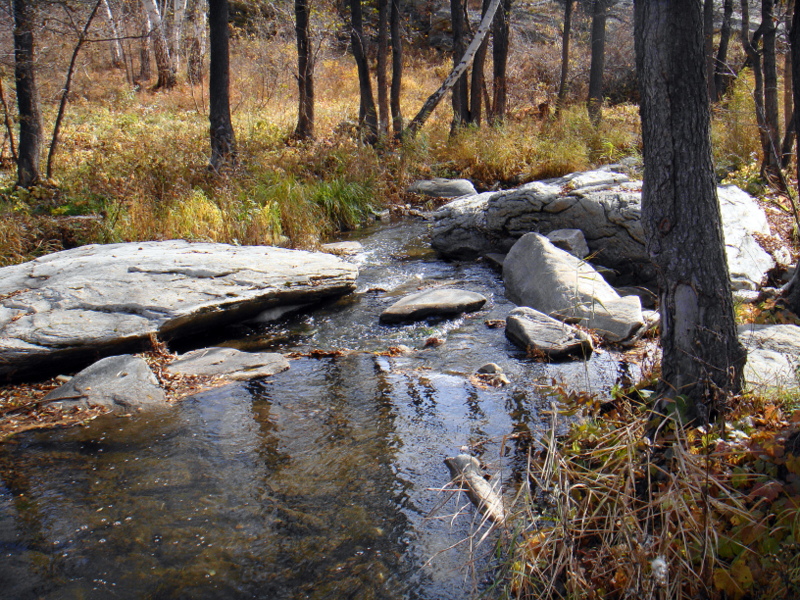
(368,116)
(702,357)
(771,165)
(166,71)
(477,81)
(397,68)
(500,34)
(722,72)
(305,72)
(117,53)
(460,89)
(382,68)
(563,86)
(195,44)
(145,72)
(792,291)
(30,118)
(223,141)
(595,102)
(708,39)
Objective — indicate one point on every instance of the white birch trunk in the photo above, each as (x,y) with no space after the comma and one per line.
(166,72)
(117,54)
(179,14)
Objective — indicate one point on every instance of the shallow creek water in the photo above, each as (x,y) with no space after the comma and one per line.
(315,483)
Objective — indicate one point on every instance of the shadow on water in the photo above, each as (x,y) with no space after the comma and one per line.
(315,483)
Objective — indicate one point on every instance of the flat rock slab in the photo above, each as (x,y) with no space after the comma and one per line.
(537,333)
(773,356)
(436,302)
(443,188)
(103,299)
(119,383)
(342,248)
(232,363)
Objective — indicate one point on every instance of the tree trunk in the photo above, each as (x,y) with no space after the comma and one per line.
(397,67)
(223,141)
(145,73)
(702,358)
(195,49)
(792,291)
(708,39)
(166,71)
(305,72)
(382,68)
(177,34)
(722,72)
(595,102)
(368,116)
(477,82)
(433,100)
(460,90)
(788,104)
(771,165)
(30,118)
(500,35)
(754,59)
(563,86)
(117,54)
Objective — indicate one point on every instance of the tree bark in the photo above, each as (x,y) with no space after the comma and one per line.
(145,71)
(117,53)
(434,99)
(460,89)
(722,72)
(792,291)
(177,34)
(771,165)
(500,35)
(478,79)
(164,66)
(563,86)
(368,116)
(223,141)
(30,118)
(750,46)
(594,104)
(195,44)
(382,68)
(708,39)
(397,68)
(702,358)
(788,104)
(305,72)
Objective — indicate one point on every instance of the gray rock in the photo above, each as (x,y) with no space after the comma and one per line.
(773,356)
(570,240)
(119,383)
(541,276)
(232,363)
(76,304)
(606,207)
(441,301)
(537,333)
(342,248)
(490,369)
(495,260)
(443,188)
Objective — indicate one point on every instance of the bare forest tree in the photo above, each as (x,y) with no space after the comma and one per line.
(305,72)
(723,74)
(477,81)
(702,357)
(223,141)
(117,52)
(164,66)
(792,291)
(397,67)
(367,115)
(144,48)
(382,68)
(460,96)
(176,39)
(30,118)
(501,33)
(595,101)
(195,43)
(563,85)
(708,39)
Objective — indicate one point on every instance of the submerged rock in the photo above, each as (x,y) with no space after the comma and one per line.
(118,383)
(552,281)
(232,363)
(95,300)
(436,302)
(539,334)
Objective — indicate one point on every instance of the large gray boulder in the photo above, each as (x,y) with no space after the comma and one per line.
(606,206)
(435,302)
(552,281)
(537,333)
(443,188)
(118,383)
(773,356)
(103,299)
(230,362)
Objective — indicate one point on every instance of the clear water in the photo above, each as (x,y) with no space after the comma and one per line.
(316,483)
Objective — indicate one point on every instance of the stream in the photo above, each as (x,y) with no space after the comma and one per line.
(316,483)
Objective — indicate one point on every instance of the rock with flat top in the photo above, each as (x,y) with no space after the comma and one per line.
(230,362)
(545,336)
(67,308)
(435,302)
(443,188)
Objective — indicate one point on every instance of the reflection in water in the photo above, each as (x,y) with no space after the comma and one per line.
(315,483)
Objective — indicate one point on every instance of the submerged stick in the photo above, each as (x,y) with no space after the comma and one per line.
(466,472)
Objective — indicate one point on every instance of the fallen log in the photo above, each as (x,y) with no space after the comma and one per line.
(465,471)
